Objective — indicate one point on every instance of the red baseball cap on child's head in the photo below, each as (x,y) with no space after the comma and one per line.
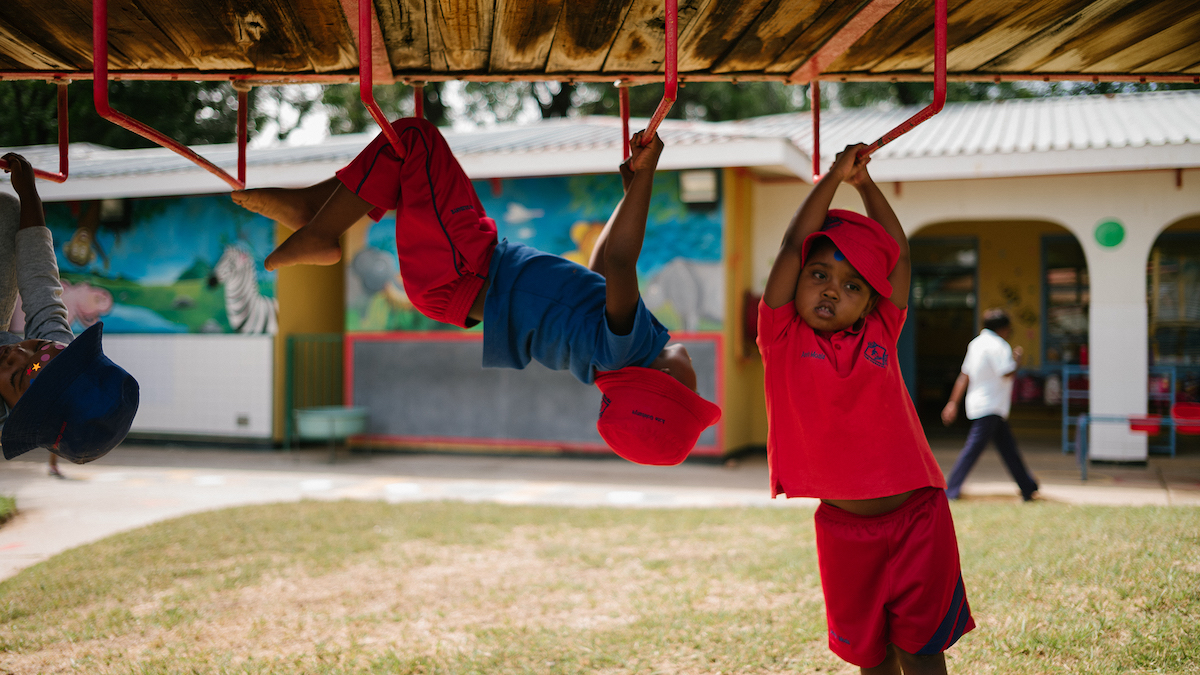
(867,246)
(649,417)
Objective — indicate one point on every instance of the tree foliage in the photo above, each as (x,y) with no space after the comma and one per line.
(191,112)
(206,112)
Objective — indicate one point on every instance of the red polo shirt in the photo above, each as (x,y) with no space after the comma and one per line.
(841,423)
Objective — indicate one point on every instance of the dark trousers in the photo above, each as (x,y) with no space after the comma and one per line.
(984,429)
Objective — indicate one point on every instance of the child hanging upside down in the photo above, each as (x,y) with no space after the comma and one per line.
(533,305)
(59,392)
(841,427)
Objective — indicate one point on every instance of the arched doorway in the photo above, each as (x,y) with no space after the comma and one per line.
(1173,307)
(1035,270)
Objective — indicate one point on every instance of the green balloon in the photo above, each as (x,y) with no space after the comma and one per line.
(1109,233)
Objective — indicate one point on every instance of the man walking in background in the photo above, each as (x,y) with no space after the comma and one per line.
(987,380)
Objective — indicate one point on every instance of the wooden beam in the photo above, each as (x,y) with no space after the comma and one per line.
(381,68)
(848,34)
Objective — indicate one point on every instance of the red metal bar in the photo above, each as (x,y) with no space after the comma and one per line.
(100,95)
(418,100)
(671,68)
(61,176)
(847,35)
(814,97)
(365,75)
(939,83)
(261,79)
(243,122)
(623,99)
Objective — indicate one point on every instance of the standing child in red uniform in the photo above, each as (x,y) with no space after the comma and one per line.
(533,305)
(843,428)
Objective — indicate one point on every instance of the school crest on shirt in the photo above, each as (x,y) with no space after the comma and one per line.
(876,353)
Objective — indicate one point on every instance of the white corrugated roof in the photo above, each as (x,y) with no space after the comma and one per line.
(1019,137)
(1002,127)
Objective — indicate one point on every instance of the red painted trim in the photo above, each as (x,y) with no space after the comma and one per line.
(847,35)
(939,83)
(418,336)
(100,96)
(671,68)
(507,443)
(366,13)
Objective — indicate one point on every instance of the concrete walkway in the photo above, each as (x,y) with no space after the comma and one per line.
(138,485)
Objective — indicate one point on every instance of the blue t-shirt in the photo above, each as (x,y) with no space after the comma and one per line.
(546,308)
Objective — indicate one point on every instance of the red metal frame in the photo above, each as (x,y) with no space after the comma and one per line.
(939,83)
(63,141)
(671,68)
(418,100)
(243,96)
(366,77)
(623,100)
(814,98)
(717,449)
(261,79)
(847,35)
(100,95)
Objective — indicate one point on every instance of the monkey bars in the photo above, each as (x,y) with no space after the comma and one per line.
(670,80)
(100,96)
(854,29)
(63,134)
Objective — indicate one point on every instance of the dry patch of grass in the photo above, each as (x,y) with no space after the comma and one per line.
(357,587)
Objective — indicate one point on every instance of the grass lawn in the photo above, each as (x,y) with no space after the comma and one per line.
(365,587)
(8,508)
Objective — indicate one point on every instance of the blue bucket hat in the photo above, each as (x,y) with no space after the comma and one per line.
(79,407)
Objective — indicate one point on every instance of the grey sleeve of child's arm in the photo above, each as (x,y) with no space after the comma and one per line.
(10,221)
(41,291)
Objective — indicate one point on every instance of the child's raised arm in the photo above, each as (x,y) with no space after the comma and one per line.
(781,284)
(881,212)
(23,185)
(616,252)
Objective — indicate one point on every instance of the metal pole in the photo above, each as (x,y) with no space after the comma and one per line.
(100,96)
(939,83)
(671,68)
(814,96)
(623,99)
(365,75)
(63,134)
(243,122)
(419,100)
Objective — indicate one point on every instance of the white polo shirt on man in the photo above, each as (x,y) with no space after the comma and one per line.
(989,358)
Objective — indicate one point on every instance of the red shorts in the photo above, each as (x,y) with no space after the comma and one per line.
(893,578)
(443,237)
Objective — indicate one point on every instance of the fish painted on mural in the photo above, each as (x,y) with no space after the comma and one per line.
(248,310)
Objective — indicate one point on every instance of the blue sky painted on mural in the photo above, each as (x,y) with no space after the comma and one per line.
(150,273)
(166,237)
(540,212)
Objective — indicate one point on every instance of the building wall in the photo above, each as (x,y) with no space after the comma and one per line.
(1010,272)
(311,300)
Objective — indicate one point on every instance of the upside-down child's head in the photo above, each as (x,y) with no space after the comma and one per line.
(68,398)
(654,415)
(845,271)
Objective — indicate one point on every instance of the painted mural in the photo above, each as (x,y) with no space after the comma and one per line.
(679,271)
(172,265)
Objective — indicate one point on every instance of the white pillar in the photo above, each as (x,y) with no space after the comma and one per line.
(1117,338)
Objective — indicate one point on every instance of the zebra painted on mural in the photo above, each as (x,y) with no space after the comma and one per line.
(248,310)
